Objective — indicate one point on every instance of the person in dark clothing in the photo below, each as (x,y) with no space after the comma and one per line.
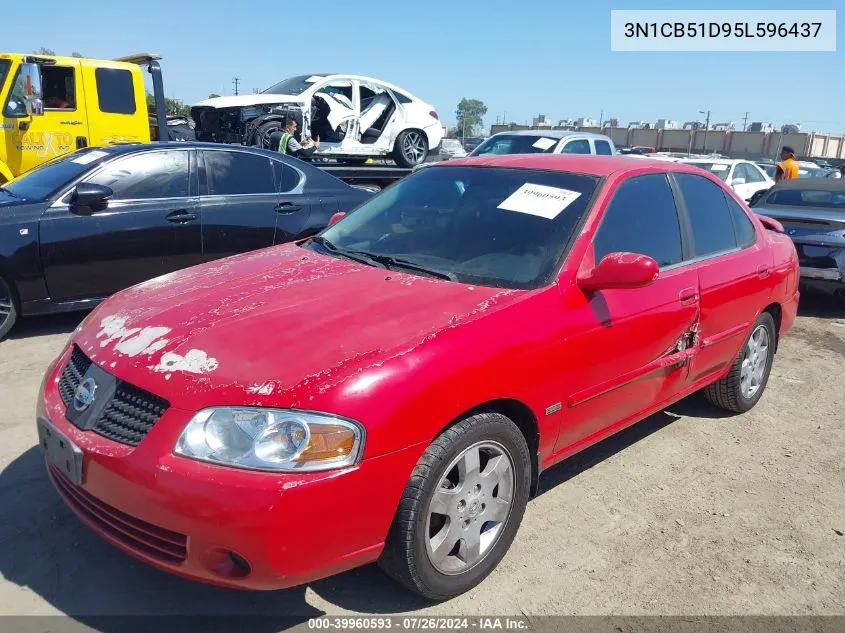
(289,145)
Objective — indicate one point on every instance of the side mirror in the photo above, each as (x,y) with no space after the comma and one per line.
(620,270)
(738,181)
(88,197)
(31,77)
(771,224)
(337,217)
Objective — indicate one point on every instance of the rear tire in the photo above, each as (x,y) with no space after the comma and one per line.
(455,523)
(745,383)
(410,149)
(8,308)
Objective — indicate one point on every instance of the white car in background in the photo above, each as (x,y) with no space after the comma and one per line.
(452,148)
(545,142)
(742,176)
(354,117)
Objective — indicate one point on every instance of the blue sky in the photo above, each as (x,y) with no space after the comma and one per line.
(521,58)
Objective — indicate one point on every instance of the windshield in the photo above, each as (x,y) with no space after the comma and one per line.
(293,85)
(489,226)
(39,183)
(719,169)
(516,144)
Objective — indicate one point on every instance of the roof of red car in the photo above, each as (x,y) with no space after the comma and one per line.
(578,163)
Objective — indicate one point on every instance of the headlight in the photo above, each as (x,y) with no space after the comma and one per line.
(271,439)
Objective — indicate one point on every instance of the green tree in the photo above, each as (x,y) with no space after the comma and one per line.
(76,54)
(171,106)
(213,95)
(470,115)
(44,51)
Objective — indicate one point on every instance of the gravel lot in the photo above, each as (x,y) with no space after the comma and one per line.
(688,512)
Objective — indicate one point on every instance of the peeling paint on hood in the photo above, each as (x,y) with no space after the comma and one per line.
(259,327)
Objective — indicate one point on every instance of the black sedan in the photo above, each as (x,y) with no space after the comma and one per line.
(99,220)
(812,212)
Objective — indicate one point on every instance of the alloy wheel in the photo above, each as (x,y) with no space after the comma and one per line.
(470,507)
(413,147)
(755,362)
(5,302)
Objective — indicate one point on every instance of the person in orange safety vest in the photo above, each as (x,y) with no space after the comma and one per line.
(787,168)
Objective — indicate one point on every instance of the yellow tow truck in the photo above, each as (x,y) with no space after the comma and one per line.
(52,105)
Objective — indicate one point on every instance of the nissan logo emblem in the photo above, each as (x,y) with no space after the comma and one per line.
(84,394)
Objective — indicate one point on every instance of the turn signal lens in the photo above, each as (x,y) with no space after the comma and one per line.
(328,442)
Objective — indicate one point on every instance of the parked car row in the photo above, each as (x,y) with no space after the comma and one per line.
(85,225)
(390,389)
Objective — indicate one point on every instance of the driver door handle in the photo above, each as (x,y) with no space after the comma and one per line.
(181,216)
(287,207)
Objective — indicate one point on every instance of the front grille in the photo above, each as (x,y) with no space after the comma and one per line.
(142,537)
(72,375)
(129,415)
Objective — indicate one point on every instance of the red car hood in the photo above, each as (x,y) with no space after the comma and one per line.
(259,327)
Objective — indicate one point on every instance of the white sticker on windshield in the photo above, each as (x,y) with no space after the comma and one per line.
(544,143)
(313,79)
(719,167)
(89,157)
(540,200)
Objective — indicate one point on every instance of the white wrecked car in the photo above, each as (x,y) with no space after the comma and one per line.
(355,117)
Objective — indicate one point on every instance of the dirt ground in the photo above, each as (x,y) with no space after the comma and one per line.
(689,512)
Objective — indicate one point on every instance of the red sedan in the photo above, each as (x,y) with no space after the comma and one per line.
(391,389)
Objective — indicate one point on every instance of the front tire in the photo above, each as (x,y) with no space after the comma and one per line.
(8,308)
(262,135)
(461,509)
(410,149)
(743,387)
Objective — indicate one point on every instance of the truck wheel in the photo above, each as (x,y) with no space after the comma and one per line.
(8,308)
(743,387)
(261,138)
(410,149)
(461,509)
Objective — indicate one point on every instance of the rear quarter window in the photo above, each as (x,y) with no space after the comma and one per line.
(115,91)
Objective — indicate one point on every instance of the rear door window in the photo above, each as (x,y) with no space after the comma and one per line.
(743,228)
(579,146)
(603,148)
(709,217)
(115,91)
(641,218)
(238,173)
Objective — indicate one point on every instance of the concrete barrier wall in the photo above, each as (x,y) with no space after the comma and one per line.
(751,145)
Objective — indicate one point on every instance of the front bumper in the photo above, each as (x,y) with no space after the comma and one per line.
(188,517)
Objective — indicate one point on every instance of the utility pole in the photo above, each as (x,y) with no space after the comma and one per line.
(236,81)
(601,118)
(745,122)
(706,127)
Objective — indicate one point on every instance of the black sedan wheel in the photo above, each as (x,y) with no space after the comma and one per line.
(8,309)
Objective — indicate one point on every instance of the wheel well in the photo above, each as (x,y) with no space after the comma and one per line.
(777,314)
(520,414)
